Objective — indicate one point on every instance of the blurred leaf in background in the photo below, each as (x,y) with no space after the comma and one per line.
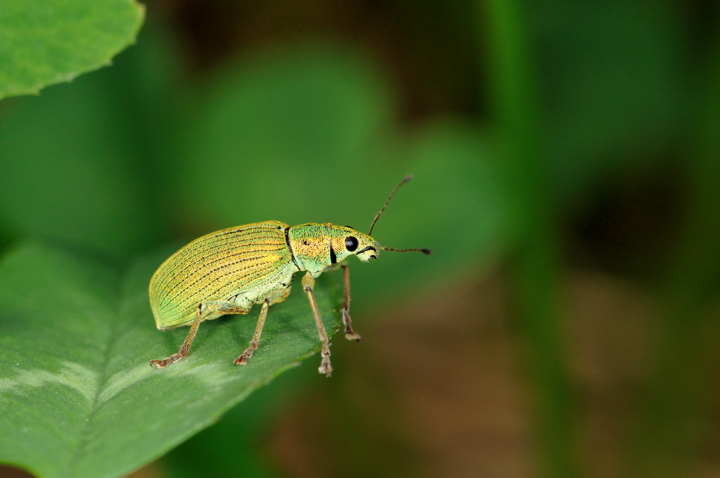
(82,162)
(43,42)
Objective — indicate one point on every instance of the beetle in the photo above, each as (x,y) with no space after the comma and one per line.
(228,271)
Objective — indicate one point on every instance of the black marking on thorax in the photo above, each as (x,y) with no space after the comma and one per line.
(292,254)
(333,257)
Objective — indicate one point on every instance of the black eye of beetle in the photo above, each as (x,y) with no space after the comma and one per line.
(351,243)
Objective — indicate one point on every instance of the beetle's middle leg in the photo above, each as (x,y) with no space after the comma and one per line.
(349,333)
(308,284)
(203,310)
(242,359)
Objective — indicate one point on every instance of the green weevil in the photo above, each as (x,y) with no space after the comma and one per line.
(228,271)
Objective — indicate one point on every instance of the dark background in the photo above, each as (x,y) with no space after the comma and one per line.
(566,160)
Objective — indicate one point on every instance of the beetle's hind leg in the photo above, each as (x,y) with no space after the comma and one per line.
(203,310)
(349,332)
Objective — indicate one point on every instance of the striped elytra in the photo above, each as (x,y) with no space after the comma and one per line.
(240,261)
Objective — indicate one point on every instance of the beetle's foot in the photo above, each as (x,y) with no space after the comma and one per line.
(243,359)
(164,363)
(325,367)
(349,333)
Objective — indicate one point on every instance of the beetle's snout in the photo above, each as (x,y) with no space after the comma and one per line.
(368,249)
(348,241)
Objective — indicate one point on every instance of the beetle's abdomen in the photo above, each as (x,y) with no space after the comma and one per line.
(239,261)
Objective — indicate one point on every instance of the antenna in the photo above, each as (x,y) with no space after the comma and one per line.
(405,180)
(424,251)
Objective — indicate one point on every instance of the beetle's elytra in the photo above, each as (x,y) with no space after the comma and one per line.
(228,271)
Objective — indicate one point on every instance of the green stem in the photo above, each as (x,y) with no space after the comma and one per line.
(673,405)
(536,271)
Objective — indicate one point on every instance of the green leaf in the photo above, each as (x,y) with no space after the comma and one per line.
(77,396)
(43,42)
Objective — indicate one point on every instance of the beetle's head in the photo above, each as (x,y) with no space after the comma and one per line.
(346,241)
(350,241)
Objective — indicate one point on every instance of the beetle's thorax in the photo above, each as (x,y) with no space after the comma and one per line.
(309,244)
(315,247)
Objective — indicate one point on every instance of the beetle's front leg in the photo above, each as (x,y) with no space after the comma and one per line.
(349,333)
(308,284)
(203,309)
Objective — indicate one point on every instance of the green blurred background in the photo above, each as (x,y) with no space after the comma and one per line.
(567,175)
